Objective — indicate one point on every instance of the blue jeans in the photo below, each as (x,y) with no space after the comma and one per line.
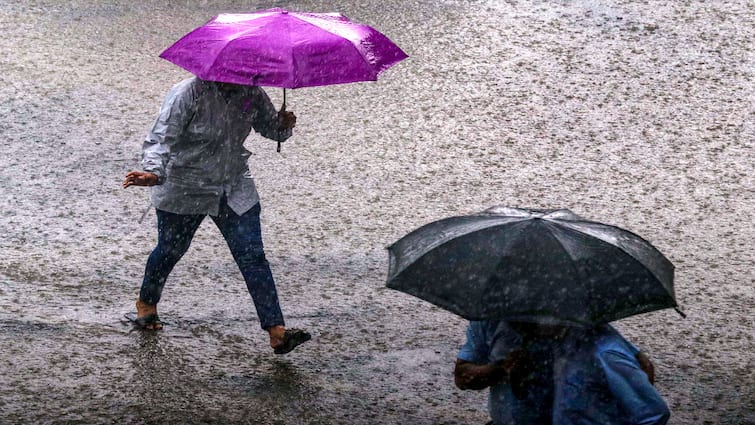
(244,237)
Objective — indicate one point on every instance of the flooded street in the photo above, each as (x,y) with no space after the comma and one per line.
(634,113)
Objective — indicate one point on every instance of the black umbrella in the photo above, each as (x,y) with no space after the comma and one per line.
(532,265)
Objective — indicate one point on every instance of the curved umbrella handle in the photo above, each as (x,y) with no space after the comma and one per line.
(283,109)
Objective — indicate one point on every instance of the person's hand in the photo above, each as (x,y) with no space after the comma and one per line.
(139,178)
(646,365)
(521,371)
(473,376)
(516,358)
(287,119)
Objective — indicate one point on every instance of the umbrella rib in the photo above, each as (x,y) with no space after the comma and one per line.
(523,225)
(295,76)
(217,56)
(373,73)
(573,263)
(631,257)
(617,228)
(230,41)
(336,34)
(651,246)
(434,246)
(212,64)
(437,300)
(225,46)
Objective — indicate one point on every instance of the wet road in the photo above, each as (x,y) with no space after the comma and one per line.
(636,113)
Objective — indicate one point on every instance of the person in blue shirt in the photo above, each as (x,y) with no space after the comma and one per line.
(520,380)
(601,381)
(542,375)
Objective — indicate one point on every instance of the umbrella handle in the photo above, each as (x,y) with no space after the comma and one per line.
(283,109)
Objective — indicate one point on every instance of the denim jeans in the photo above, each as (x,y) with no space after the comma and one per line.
(244,237)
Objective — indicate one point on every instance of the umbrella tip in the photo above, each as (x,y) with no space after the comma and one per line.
(681,313)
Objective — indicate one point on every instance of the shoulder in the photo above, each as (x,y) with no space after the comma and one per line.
(185,93)
(480,333)
(191,87)
(614,353)
(191,84)
(476,347)
(485,328)
(609,340)
(603,344)
(476,329)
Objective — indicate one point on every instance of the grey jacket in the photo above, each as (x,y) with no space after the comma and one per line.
(196,147)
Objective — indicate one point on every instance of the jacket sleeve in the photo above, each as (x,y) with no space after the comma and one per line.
(175,114)
(266,121)
(637,398)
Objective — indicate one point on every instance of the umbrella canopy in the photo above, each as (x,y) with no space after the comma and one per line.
(279,48)
(548,266)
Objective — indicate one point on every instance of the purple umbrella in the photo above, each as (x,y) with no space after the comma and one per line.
(279,48)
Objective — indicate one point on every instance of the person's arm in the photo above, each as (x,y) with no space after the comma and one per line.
(475,376)
(175,114)
(472,371)
(268,122)
(472,376)
(630,385)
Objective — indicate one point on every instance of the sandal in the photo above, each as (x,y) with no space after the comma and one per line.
(150,322)
(291,339)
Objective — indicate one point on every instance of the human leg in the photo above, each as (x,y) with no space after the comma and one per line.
(174,235)
(244,237)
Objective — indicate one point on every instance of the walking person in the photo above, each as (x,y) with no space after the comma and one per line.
(195,161)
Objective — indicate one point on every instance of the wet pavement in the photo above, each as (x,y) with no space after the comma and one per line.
(635,113)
